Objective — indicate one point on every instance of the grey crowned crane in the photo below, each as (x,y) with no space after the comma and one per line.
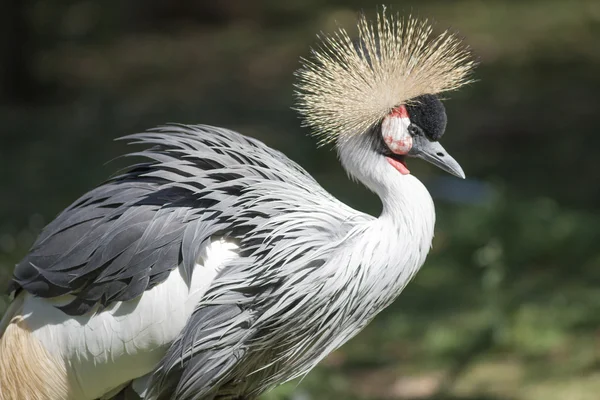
(218,268)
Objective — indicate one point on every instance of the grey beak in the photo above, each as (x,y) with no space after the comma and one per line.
(434,153)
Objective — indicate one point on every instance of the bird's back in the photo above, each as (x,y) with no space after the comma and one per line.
(124,237)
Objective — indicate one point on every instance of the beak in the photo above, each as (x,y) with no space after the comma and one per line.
(434,153)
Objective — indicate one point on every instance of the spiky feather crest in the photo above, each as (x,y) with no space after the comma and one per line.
(344,89)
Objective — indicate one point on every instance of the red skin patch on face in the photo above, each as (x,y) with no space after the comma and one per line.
(400,146)
(400,112)
(391,129)
(400,166)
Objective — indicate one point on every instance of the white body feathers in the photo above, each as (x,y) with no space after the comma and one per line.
(106,350)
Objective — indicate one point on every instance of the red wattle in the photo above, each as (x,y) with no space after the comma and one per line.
(400,166)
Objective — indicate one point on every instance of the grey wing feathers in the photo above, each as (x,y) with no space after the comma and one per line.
(232,347)
(209,347)
(125,236)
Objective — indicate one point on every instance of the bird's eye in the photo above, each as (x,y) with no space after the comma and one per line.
(414,130)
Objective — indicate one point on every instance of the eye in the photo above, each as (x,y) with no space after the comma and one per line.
(414,130)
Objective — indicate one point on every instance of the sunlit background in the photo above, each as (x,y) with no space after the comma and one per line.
(507,307)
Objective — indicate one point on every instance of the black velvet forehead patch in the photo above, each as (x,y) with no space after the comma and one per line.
(429,114)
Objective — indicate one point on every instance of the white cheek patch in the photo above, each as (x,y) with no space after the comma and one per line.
(395,134)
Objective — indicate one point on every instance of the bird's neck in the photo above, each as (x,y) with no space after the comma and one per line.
(393,247)
(395,244)
(406,202)
(407,205)
(406,223)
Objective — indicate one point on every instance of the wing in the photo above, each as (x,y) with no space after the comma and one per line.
(232,342)
(125,236)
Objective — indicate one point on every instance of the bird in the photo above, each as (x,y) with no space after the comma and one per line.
(217,268)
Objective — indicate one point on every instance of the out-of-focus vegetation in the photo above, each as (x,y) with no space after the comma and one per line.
(508,303)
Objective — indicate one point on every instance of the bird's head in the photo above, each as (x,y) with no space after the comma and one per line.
(378,94)
(413,131)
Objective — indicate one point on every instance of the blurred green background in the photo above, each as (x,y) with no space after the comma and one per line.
(507,305)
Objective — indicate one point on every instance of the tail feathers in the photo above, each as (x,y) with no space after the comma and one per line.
(27,370)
